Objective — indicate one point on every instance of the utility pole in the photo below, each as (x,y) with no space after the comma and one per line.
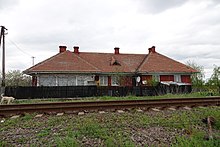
(3,54)
(33,60)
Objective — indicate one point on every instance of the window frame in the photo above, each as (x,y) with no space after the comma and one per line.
(103,80)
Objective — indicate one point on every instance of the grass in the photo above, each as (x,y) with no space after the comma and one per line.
(66,142)
(109,129)
(197,140)
(4,144)
(44,132)
(130,97)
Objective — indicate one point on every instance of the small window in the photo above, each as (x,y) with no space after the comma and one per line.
(71,81)
(80,80)
(103,81)
(62,80)
(114,62)
(115,81)
(46,80)
(177,78)
(156,78)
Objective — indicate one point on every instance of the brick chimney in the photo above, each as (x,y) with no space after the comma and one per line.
(152,49)
(62,48)
(76,49)
(116,50)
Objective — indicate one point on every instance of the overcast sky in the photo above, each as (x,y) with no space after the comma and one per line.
(185,30)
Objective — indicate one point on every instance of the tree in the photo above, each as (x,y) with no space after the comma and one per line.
(197,78)
(215,77)
(17,78)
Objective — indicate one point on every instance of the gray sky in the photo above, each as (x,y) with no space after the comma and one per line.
(185,30)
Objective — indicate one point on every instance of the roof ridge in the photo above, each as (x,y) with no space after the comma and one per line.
(144,60)
(110,53)
(86,61)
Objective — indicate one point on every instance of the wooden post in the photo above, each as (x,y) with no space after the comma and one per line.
(210,120)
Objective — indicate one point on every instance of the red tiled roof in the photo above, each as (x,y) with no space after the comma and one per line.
(64,62)
(156,62)
(84,62)
(128,62)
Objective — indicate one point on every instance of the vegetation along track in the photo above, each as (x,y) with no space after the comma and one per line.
(70,107)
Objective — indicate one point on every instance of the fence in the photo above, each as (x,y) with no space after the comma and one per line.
(90,91)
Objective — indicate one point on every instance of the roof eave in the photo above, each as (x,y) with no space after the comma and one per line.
(160,72)
(57,72)
(77,72)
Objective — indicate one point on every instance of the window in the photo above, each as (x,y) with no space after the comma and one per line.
(80,80)
(114,61)
(185,79)
(71,80)
(156,78)
(103,81)
(177,78)
(47,80)
(115,81)
(62,80)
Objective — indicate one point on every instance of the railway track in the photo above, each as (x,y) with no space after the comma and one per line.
(68,107)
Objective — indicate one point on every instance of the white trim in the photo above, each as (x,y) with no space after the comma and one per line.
(56,81)
(76,81)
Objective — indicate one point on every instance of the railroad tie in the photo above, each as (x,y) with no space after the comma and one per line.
(38,115)
(101,112)
(172,109)
(60,114)
(187,108)
(139,110)
(155,109)
(15,116)
(120,111)
(81,113)
(201,107)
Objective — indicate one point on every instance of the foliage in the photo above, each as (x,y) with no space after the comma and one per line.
(93,129)
(215,77)
(197,78)
(17,78)
(4,144)
(44,132)
(196,140)
(214,81)
(152,82)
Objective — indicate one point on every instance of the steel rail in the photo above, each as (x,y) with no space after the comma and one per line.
(56,107)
